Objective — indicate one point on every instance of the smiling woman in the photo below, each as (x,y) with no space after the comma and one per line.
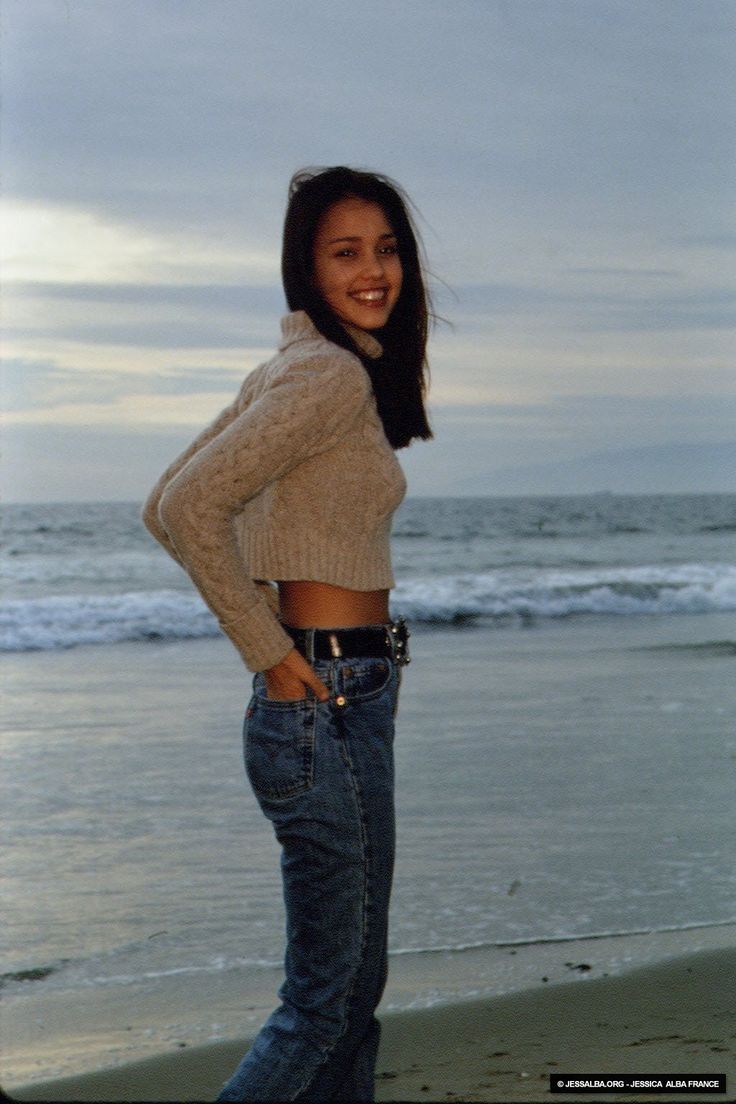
(296,483)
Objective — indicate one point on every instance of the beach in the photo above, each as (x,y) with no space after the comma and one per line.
(674,1017)
(564,754)
(176,1000)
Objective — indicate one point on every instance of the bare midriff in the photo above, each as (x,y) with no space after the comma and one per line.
(305,604)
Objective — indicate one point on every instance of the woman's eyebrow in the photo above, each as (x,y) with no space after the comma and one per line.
(358,237)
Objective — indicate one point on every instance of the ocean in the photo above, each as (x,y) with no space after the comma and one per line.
(565,757)
(90,573)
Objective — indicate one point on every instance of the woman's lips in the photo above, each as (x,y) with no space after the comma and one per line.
(371,297)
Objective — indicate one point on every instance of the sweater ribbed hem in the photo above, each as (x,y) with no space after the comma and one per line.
(319,559)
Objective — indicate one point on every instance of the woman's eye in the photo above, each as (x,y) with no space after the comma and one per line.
(345,253)
(389,250)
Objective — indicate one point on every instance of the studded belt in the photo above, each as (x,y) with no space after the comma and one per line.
(389,641)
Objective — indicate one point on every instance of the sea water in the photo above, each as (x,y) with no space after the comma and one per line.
(90,574)
(565,750)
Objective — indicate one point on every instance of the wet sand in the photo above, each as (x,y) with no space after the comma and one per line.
(673,1017)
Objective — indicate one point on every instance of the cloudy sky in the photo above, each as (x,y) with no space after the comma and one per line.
(572,160)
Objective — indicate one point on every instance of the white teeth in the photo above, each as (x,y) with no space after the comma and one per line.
(369,296)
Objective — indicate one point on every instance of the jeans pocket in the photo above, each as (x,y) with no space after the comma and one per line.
(278,740)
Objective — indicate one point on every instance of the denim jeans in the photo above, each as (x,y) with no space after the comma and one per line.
(323,774)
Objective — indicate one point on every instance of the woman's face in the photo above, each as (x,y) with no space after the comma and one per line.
(357,269)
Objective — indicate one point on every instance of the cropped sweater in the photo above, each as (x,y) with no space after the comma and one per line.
(294,480)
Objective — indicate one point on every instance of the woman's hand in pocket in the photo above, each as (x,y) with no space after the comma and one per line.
(290,679)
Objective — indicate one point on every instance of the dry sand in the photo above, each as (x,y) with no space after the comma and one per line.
(675,1017)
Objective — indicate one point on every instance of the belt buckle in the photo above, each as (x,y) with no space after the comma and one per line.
(398,635)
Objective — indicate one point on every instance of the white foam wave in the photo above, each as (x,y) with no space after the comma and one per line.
(535,593)
(63,621)
(68,620)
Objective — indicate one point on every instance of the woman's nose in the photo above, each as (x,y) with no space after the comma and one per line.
(374,265)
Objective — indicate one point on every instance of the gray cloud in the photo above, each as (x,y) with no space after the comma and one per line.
(725,240)
(122,462)
(42,385)
(180,333)
(572,161)
(167,316)
(234,297)
(617,103)
(647,273)
(579,442)
(621,306)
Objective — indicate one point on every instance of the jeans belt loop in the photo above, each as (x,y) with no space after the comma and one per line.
(309,646)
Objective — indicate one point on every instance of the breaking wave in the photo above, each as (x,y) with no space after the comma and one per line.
(63,621)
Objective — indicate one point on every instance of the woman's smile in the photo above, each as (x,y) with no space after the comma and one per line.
(357,268)
(375,295)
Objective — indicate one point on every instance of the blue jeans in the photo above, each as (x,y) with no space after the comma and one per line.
(323,774)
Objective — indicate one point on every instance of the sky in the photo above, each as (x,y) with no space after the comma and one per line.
(572,162)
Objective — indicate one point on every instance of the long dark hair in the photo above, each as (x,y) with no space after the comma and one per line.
(399,376)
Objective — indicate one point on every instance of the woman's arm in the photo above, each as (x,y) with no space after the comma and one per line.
(222,421)
(305,410)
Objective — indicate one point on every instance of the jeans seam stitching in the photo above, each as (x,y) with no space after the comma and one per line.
(364,925)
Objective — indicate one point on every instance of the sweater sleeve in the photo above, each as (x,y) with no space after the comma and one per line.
(305,410)
(150,510)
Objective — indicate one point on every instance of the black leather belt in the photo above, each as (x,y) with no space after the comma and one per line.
(376,641)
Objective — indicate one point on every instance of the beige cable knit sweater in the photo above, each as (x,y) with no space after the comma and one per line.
(294,480)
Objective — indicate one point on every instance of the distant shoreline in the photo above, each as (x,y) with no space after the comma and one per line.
(411,497)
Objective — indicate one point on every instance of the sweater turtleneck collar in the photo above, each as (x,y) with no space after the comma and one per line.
(298,325)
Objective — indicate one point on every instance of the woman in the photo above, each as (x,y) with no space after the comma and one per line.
(296,483)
